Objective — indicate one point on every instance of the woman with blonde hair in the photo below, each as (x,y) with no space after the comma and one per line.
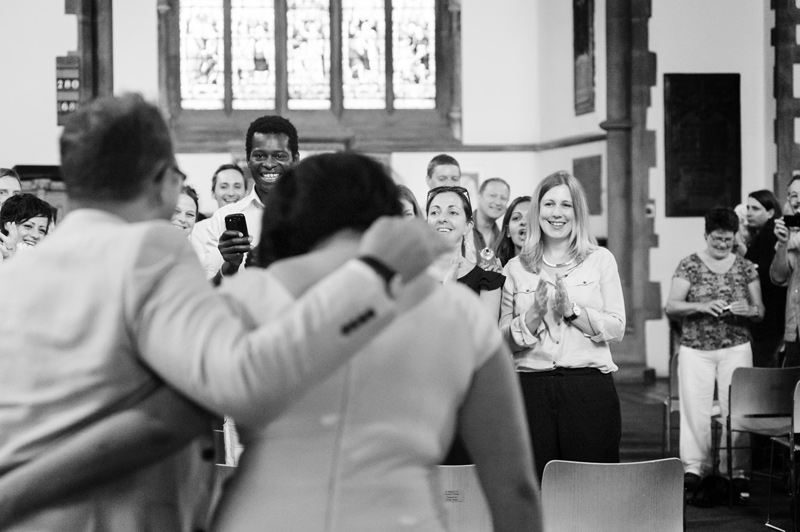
(562,305)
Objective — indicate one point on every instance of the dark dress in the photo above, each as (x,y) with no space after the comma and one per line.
(767,335)
(478,280)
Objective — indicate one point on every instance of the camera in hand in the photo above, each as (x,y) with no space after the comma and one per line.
(791,220)
(236,222)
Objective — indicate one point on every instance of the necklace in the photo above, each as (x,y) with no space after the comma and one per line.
(560,264)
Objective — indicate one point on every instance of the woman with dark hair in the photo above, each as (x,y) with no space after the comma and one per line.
(24,221)
(562,305)
(409,203)
(186,210)
(449,211)
(763,208)
(359,451)
(715,294)
(513,230)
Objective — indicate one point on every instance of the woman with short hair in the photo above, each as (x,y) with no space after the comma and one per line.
(715,294)
(24,221)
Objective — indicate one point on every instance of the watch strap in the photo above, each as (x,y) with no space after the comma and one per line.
(378,266)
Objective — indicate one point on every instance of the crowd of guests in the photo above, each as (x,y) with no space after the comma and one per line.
(734,305)
(349,374)
(543,295)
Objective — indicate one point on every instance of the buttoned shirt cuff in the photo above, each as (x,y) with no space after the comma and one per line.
(600,324)
(523,336)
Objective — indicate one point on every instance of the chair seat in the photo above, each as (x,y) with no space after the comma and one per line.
(767,426)
(785,442)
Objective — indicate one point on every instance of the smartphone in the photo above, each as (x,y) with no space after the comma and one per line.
(236,222)
(791,220)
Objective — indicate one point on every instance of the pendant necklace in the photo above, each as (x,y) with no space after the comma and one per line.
(560,264)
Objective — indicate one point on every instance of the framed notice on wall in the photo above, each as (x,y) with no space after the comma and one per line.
(583,46)
(702,142)
(68,85)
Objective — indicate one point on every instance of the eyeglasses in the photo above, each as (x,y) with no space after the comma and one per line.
(722,240)
(172,167)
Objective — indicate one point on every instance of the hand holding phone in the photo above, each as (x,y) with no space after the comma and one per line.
(236,222)
(791,220)
(233,247)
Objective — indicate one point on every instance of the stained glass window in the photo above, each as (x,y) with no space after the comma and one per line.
(279,55)
(308,54)
(364,54)
(253,54)
(414,60)
(202,53)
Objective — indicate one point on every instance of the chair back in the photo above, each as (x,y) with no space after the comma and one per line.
(582,496)
(796,410)
(758,394)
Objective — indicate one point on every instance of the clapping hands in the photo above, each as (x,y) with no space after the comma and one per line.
(562,305)
(538,308)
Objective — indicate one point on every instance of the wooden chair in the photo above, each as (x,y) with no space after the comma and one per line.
(591,497)
(791,442)
(760,403)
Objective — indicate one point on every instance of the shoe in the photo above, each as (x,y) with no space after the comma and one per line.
(742,486)
(690,482)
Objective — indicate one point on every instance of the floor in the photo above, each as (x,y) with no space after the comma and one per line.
(642,422)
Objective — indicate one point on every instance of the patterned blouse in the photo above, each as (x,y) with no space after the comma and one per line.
(705,332)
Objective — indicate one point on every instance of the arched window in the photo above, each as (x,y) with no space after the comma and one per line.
(376,75)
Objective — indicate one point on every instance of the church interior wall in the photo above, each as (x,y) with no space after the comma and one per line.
(35,32)
(685,42)
(517,84)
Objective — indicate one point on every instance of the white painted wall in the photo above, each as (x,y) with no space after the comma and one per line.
(500,71)
(685,42)
(135,41)
(34,32)
(556,94)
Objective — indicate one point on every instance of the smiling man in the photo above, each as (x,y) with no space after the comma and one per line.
(493,198)
(272,147)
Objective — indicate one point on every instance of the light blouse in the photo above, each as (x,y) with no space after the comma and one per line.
(595,286)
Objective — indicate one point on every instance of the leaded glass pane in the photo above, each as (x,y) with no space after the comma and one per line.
(253,54)
(364,54)
(414,57)
(308,54)
(202,56)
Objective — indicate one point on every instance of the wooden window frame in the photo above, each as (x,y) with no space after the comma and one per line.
(369,130)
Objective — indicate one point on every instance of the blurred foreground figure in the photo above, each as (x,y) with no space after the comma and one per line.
(115,303)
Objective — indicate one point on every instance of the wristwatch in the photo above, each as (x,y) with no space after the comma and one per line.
(576,312)
(393,280)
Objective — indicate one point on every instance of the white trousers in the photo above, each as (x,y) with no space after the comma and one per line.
(697,371)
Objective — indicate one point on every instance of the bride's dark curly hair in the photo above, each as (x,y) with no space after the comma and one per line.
(320,196)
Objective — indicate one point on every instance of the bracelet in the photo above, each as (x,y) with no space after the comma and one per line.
(755,309)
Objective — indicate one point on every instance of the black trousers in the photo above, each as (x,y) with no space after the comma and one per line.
(573,414)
